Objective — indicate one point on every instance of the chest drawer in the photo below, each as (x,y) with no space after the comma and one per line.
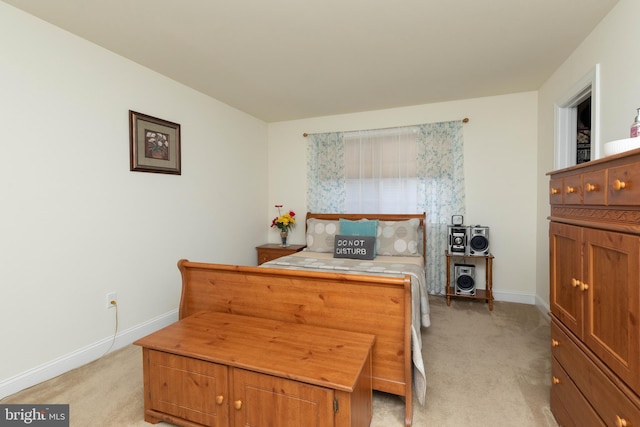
(607,398)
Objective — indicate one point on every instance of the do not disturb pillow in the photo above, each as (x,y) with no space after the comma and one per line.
(356,247)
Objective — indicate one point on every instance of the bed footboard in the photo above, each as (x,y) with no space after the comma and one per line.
(369,304)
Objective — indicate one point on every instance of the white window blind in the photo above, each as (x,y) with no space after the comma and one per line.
(380,167)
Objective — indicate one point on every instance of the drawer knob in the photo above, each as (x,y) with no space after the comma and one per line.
(583,286)
(575,283)
(554,343)
(555,380)
(621,422)
(619,185)
(589,188)
(554,191)
(237,404)
(570,189)
(219,399)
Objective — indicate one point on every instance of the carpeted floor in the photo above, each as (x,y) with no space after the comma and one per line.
(483,369)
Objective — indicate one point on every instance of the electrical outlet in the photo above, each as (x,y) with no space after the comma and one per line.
(112,299)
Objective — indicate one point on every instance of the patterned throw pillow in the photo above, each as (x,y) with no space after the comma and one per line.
(398,238)
(321,234)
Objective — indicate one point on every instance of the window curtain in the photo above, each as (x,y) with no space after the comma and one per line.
(326,173)
(412,169)
(440,192)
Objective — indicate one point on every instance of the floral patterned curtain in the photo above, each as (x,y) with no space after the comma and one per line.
(440,175)
(326,176)
(440,192)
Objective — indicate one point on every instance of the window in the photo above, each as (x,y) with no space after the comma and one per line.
(401,170)
(381,171)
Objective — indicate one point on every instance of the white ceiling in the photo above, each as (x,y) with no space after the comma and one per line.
(290,59)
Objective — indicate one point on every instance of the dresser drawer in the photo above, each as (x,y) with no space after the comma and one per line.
(623,185)
(560,412)
(565,394)
(609,401)
(594,186)
(572,189)
(555,191)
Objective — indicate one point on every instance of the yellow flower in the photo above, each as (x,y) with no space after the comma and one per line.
(284,221)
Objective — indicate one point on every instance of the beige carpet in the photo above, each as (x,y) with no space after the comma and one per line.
(483,369)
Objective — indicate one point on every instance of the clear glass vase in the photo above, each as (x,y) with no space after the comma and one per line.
(283,235)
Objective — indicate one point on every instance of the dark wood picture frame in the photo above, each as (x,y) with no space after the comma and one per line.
(154,144)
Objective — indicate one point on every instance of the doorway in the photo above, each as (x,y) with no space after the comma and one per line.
(576,118)
(583,131)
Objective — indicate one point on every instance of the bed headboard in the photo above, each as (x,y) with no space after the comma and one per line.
(381,217)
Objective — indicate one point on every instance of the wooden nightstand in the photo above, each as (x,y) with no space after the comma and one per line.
(273,250)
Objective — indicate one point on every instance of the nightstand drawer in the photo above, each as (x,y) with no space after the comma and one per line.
(272,251)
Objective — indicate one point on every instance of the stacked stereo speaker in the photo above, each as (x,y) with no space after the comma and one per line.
(468,240)
(465,279)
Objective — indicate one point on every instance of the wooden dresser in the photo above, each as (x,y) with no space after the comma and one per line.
(221,369)
(594,238)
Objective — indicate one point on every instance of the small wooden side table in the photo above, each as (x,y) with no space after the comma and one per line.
(480,294)
(272,251)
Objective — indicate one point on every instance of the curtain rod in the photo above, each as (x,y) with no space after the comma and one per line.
(465,120)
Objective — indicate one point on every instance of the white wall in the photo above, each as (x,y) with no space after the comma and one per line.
(75,223)
(611,44)
(500,173)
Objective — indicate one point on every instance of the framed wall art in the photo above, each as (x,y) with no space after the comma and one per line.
(154,144)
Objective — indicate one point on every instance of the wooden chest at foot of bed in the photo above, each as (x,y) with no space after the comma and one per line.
(220,369)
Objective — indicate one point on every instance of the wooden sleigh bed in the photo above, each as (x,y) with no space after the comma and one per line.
(381,305)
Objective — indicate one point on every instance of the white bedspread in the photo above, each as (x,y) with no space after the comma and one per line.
(382,265)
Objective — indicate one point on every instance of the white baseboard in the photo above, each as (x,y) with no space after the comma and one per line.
(518,297)
(543,306)
(84,355)
(531,299)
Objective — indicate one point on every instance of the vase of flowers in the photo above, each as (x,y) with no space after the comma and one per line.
(284,222)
